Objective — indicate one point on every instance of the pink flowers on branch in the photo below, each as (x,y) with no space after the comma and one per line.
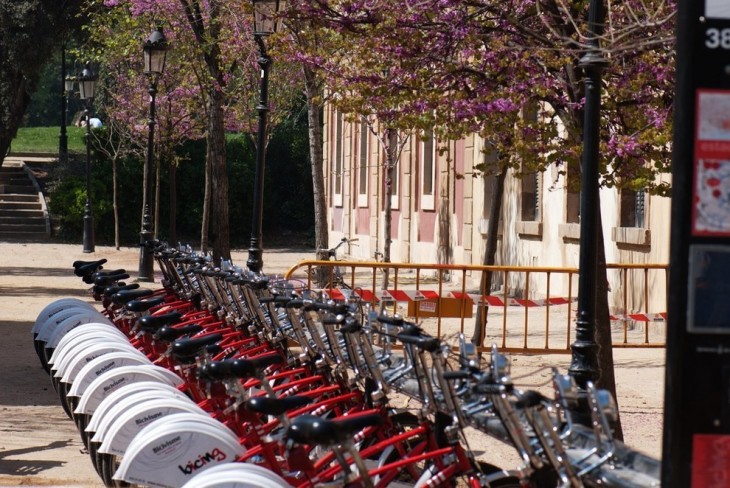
(482,65)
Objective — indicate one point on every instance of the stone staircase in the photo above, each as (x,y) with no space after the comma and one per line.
(23,212)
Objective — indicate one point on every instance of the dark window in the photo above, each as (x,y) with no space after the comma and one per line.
(632,208)
(531,197)
(363,173)
(339,136)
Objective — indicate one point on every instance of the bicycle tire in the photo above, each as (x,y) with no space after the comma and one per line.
(62,392)
(110,463)
(507,482)
(95,456)
(404,421)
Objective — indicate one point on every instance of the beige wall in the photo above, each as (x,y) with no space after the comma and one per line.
(549,242)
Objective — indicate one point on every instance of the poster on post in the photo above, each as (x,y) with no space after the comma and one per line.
(708,308)
(711,202)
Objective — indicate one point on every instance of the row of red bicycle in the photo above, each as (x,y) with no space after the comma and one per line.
(222,378)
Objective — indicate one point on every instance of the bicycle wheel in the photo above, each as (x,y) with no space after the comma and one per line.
(405,421)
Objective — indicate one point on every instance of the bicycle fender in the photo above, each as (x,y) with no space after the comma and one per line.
(86,352)
(101,365)
(124,428)
(84,315)
(148,389)
(237,475)
(169,452)
(54,308)
(90,329)
(105,384)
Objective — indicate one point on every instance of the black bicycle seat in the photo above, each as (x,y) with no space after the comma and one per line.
(311,429)
(276,406)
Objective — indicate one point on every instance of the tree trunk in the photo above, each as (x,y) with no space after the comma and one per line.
(490,251)
(220,233)
(390,167)
(205,221)
(313,92)
(157,197)
(115,205)
(607,380)
(17,95)
(172,223)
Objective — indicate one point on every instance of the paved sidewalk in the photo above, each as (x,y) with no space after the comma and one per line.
(39,445)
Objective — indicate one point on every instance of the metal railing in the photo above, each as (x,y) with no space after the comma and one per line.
(526,308)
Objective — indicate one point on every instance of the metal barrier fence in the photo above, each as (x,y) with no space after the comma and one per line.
(527,308)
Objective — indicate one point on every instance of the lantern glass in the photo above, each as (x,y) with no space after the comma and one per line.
(69,83)
(155,53)
(265,16)
(87,84)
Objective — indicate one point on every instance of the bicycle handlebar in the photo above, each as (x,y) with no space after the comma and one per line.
(332,250)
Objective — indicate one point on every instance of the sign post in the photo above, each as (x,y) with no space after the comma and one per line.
(696,447)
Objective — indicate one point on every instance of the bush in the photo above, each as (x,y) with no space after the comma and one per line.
(288,201)
(67,200)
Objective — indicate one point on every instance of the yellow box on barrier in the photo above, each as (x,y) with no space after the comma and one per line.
(441,307)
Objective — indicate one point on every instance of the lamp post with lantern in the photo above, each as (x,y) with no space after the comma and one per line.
(265,23)
(155,55)
(584,365)
(69,84)
(87,87)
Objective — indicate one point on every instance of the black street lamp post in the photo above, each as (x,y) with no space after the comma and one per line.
(584,362)
(155,54)
(65,91)
(265,23)
(87,87)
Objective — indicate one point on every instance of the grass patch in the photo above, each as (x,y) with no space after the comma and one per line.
(45,139)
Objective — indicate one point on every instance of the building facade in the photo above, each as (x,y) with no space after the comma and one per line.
(441,207)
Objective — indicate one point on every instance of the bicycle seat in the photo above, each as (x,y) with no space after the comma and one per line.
(310,429)
(276,406)
(151,323)
(391,320)
(259,283)
(139,306)
(112,289)
(239,368)
(83,268)
(185,349)
(426,343)
(170,334)
(350,326)
(124,296)
(276,299)
(104,280)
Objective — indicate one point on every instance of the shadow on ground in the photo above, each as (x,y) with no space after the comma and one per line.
(31,291)
(35,271)
(22,467)
(25,382)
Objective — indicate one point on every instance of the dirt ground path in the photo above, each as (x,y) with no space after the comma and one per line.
(39,445)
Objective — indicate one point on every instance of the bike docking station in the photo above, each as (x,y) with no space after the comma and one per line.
(696,446)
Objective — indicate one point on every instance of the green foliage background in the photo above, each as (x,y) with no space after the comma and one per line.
(288,200)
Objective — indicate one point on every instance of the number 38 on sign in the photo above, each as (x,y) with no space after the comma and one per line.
(717,38)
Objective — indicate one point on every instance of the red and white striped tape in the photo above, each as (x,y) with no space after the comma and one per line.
(491,300)
(419,295)
(497,301)
(641,317)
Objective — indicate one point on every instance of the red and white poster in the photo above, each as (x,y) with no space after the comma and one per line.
(711,202)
